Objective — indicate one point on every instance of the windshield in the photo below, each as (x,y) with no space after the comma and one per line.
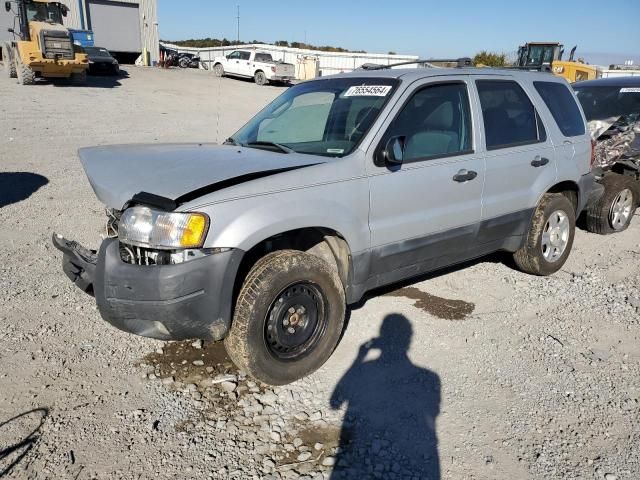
(44,12)
(539,54)
(600,103)
(322,117)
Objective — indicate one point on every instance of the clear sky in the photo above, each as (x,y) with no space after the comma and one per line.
(604,32)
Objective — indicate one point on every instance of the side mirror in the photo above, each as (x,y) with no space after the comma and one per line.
(64,10)
(11,30)
(394,150)
(7,6)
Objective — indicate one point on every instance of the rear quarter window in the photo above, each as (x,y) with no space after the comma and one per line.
(563,107)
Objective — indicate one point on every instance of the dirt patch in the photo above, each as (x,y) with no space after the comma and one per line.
(444,308)
(176,359)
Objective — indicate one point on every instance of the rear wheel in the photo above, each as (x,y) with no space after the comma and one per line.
(25,75)
(550,236)
(260,78)
(614,210)
(218,70)
(9,66)
(288,317)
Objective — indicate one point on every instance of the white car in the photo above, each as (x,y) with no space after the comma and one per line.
(253,64)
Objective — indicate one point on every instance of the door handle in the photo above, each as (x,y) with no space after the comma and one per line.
(464,176)
(539,161)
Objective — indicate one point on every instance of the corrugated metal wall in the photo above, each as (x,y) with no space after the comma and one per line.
(330,62)
(148,21)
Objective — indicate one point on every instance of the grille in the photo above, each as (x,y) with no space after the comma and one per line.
(57,45)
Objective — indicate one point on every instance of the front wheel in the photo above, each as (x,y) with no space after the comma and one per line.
(550,236)
(25,75)
(614,211)
(218,70)
(288,317)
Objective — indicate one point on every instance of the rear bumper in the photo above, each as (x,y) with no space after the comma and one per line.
(169,302)
(276,78)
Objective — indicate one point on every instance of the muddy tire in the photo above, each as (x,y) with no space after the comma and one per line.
(260,78)
(8,65)
(25,75)
(613,212)
(550,236)
(288,317)
(79,78)
(218,70)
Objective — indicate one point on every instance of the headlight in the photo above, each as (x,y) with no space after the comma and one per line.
(145,227)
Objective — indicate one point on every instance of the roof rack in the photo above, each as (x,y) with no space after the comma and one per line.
(460,63)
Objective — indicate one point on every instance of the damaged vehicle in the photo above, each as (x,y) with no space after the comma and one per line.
(341,185)
(612,108)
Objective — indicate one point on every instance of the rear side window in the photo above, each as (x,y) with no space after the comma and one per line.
(562,104)
(509,116)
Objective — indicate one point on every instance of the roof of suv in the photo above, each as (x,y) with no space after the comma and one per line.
(621,82)
(418,73)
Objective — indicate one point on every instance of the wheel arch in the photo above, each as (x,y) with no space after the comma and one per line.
(569,189)
(323,242)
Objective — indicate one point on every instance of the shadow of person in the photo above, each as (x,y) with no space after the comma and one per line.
(18,435)
(18,186)
(389,430)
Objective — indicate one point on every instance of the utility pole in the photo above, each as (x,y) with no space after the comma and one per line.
(238,18)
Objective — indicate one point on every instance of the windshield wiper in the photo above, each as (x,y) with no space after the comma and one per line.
(282,148)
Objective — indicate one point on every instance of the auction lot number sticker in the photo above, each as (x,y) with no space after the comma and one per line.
(368,91)
(630,90)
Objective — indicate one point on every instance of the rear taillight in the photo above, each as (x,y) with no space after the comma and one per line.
(273,69)
(593,153)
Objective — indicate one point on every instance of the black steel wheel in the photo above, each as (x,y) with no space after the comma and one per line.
(288,317)
(295,321)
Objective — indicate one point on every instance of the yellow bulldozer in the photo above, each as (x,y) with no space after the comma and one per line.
(42,46)
(547,56)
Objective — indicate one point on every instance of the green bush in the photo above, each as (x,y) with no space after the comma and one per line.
(490,59)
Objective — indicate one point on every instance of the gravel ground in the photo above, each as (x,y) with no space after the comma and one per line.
(478,372)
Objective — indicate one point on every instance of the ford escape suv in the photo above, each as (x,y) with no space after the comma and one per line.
(340,185)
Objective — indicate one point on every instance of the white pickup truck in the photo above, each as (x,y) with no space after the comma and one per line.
(253,64)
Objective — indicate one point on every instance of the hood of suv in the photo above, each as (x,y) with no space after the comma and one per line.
(179,171)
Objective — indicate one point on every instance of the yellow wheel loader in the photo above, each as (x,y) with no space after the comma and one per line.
(42,46)
(547,56)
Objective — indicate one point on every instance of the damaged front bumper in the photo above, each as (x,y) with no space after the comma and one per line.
(169,302)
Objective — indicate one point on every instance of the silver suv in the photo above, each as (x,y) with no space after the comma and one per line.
(340,185)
